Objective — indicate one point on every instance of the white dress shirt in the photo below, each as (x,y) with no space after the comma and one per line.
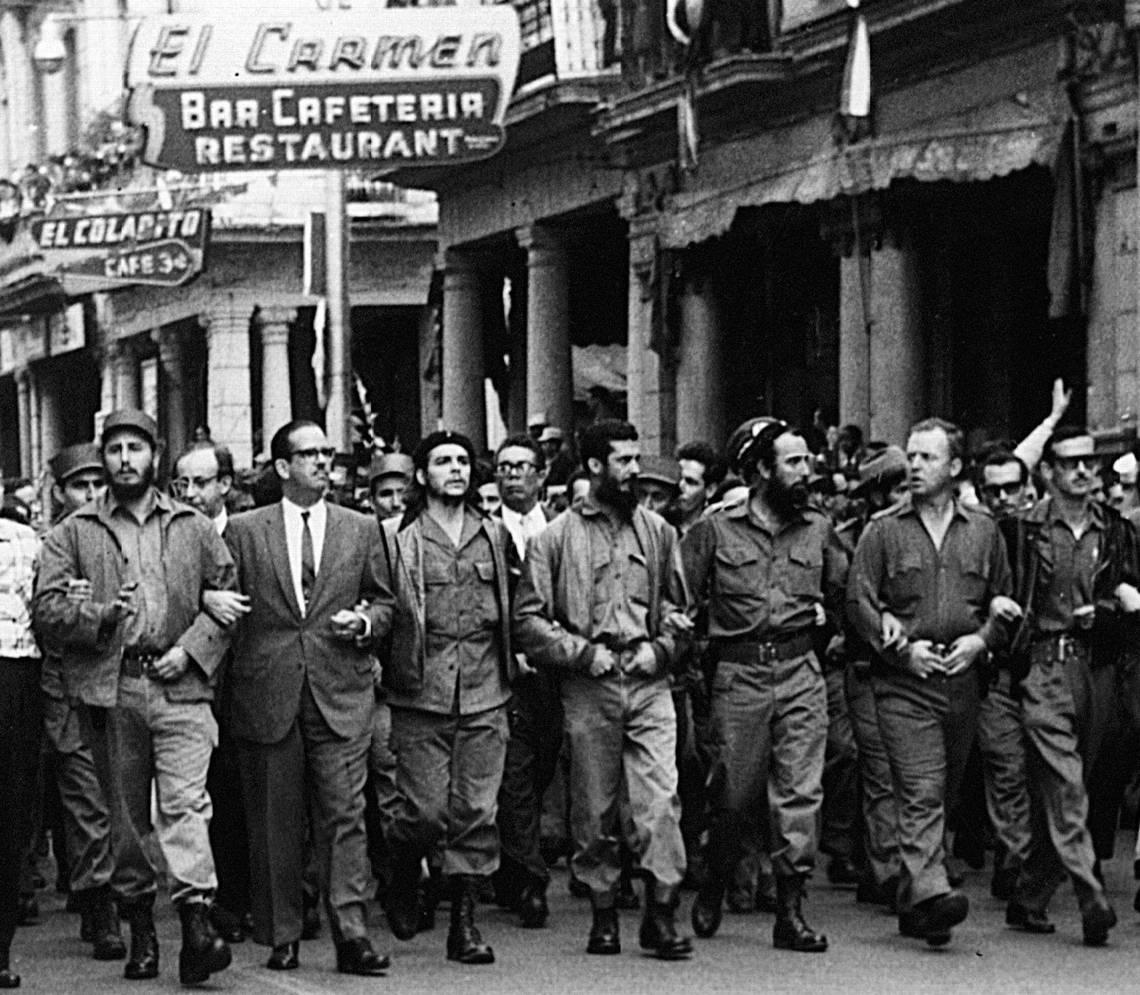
(221,520)
(318,519)
(523,528)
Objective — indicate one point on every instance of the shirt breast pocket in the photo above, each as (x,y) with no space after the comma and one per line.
(639,579)
(803,572)
(737,571)
(975,574)
(904,579)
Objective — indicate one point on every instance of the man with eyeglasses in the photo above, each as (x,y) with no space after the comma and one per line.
(1001,736)
(1078,569)
(139,654)
(302,698)
(535,711)
(203,478)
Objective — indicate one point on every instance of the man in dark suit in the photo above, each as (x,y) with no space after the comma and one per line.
(302,697)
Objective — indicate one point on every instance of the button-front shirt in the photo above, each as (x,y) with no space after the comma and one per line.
(620,610)
(294,527)
(1068,566)
(762,583)
(462,671)
(221,520)
(19,549)
(937,594)
(523,528)
(144,564)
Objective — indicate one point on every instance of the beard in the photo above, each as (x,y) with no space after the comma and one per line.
(448,499)
(609,492)
(124,491)
(786,500)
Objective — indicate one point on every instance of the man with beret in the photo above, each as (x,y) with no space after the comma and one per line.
(602,603)
(772,571)
(448,682)
(78,478)
(139,654)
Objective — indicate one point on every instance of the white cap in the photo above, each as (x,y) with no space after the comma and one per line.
(1125,468)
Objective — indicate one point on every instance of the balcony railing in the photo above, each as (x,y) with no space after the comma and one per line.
(565,40)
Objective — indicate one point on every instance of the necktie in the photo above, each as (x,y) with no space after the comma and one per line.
(308,562)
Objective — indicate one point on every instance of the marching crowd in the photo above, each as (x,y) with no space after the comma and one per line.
(727,664)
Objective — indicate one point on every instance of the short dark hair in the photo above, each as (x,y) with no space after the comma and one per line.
(709,458)
(1063,434)
(1003,457)
(222,455)
(597,440)
(281,447)
(521,441)
(955,437)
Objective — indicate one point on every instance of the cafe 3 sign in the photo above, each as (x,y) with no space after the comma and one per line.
(328,89)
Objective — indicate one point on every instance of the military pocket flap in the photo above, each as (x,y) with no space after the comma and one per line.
(736,556)
(486,571)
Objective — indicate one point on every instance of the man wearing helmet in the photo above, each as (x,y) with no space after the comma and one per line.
(767,566)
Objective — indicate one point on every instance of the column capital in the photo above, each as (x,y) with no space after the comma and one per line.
(273,321)
(168,342)
(225,315)
(543,245)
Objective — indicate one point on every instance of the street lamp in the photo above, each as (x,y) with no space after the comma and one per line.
(50,52)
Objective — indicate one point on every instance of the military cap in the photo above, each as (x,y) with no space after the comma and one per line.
(661,469)
(877,468)
(130,418)
(74,459)
(391,465)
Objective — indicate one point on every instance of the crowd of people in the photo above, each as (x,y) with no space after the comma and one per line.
(716,667)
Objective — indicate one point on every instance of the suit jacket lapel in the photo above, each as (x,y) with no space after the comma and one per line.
(279,553)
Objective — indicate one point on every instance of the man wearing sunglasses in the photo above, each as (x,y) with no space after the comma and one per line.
(1077,565)
(302,697)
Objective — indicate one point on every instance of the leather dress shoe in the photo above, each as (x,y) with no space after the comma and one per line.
(533,910)
(1028,920)
(842,871)
(604,935)
(1096,923)
(707,908)
(933,919)
(228,925)
(285,957)
(358,957)
(9,979)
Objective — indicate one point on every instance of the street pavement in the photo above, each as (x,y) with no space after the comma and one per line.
(866,954)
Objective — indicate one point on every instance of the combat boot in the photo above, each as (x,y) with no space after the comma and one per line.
(203,951)
(791,932)
(142,962)
(103,918)
(464,943)
(707,906)
(658,929)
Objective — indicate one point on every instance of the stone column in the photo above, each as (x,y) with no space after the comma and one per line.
(549,373)
(48,389)
(643,365)
(898,395)
(172,391)
(123,368)
(854,342)
(24,406)
(700,373)
(276,395)
(464,398)
(228,411)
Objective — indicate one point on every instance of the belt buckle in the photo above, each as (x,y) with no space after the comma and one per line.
(767,652)
(1064,645)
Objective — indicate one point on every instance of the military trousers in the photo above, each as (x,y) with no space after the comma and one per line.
(1001,739)
(770,723)
(622,732)
(928,727)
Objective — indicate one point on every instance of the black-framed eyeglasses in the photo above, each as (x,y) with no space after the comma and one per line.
(522,468)
(1009,490)
(182,484)
(312,454)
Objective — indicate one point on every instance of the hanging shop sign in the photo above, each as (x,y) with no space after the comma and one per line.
(340,89)
(97,251)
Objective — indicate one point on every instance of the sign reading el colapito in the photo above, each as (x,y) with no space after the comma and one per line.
(337,89)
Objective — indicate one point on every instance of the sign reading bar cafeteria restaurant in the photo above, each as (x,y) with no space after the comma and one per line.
(424,86)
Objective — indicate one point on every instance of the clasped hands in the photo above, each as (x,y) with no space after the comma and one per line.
(922,658)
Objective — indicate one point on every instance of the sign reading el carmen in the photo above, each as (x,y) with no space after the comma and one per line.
(326,90)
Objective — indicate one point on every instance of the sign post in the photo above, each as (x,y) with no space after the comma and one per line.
(324,89)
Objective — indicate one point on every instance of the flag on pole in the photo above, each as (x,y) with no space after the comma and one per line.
(320,359)
(855,114)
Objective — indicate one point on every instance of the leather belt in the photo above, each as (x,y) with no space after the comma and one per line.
(751,651)
(139,663)
(1046,648)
